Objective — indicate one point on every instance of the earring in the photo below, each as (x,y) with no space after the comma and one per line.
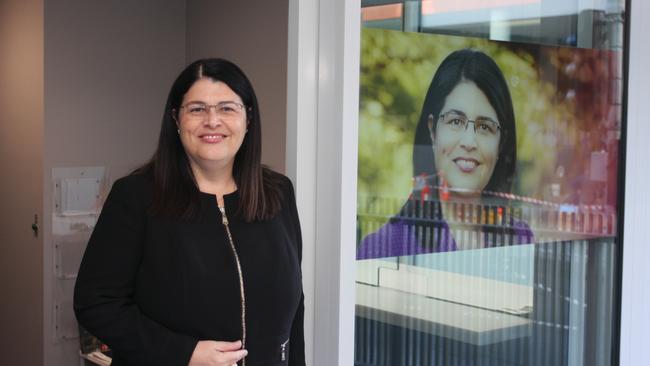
(178,131)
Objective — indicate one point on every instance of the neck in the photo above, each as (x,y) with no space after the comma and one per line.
(217,180)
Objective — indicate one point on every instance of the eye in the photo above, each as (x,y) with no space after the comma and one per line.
(455,121)
(230,108)
(227,108)
(486,127)
(196,108)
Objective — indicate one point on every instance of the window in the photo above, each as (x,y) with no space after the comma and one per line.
(488,185)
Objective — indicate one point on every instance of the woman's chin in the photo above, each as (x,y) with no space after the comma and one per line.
(465,192)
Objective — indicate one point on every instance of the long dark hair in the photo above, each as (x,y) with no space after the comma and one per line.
(479,68)
(175,192)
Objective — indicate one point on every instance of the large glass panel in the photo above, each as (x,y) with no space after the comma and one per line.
(488,187)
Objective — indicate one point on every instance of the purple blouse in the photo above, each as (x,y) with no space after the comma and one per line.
(399,237)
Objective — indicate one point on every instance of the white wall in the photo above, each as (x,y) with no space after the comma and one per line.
(252,34)
(108,68)
(21,135)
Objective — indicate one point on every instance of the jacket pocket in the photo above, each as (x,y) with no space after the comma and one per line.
(272,351)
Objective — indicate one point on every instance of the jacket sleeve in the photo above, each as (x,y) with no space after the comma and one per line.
(297,338)
(104,291)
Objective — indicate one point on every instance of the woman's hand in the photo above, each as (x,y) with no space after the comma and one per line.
(213,353)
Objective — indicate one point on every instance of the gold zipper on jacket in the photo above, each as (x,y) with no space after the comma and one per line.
(241,280)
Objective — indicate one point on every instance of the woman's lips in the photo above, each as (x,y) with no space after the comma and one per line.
(466,165)
(212,138)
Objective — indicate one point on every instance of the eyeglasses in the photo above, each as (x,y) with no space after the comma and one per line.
(456,122)
(226,111)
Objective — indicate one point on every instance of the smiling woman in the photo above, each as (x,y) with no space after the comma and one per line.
(468,81)
(195,258)
(212,124)
(466,157)
(456,168)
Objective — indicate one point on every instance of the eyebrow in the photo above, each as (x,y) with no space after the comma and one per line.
(221,102)
(461,113)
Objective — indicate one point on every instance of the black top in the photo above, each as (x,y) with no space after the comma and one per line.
(152,287)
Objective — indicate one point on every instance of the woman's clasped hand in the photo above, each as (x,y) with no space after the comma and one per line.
(213,353)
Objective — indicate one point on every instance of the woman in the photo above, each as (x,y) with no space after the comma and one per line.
(464,142)
(195,258)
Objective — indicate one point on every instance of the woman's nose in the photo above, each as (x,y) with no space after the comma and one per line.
(213,120)
(468,138)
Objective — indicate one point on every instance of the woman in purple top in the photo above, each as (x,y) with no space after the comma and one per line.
(463,164)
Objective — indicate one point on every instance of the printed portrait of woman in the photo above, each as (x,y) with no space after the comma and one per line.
(464,158)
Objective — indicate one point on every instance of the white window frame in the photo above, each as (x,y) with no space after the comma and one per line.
(635,302)
(322,119)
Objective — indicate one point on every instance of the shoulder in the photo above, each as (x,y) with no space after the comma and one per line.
(392,239)
(126,205)
(135,182)
(134,187)
(274,181)
(281,187)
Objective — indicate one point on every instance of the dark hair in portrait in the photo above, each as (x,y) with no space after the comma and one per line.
(479,68)
(175,192)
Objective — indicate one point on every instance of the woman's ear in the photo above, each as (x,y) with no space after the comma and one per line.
(430,121)
(175,117)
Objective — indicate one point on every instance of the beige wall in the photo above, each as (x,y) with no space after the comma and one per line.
(108,68)
(253,34)
(21,135)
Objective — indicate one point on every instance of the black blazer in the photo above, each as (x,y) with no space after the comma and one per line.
(152,287)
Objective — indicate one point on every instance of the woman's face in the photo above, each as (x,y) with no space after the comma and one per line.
(463,157)
(212,123)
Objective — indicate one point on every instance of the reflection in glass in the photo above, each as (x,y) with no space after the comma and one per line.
(457,167)
(474,251)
